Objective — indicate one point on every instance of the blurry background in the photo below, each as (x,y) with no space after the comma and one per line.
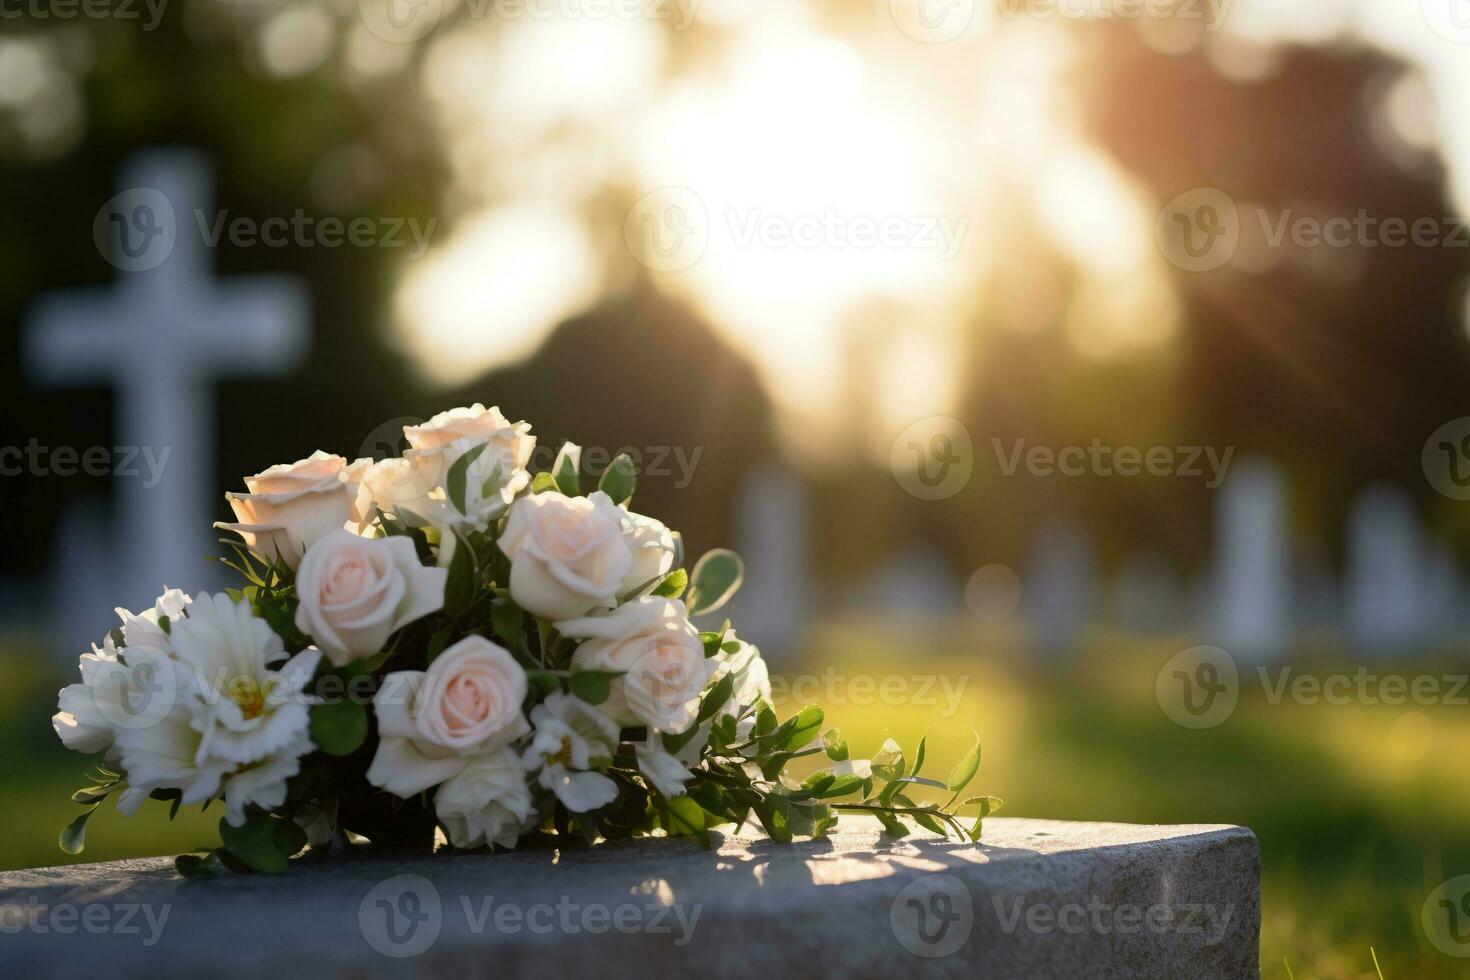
(1021,347)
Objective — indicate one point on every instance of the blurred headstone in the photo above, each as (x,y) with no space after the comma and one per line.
(160,335)
(772,535)
(914,585)
(1385,572)
(1056,589)
(1147,595)
(1251,586)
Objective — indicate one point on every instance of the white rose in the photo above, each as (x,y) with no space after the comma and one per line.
(355,592)
(431,723)
(477,424)
(291,505)
(414,488)
(487,803)
(653,642)
(653,549)
(567,553)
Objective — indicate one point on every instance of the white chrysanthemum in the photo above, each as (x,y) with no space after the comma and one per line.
(166,755)
(114,693)
(571,738)
(664,772)
(244,709)
(264,783)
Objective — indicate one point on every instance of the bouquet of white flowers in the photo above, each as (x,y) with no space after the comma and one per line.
(446,643)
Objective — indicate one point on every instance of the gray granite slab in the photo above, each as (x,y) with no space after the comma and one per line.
(1037,898)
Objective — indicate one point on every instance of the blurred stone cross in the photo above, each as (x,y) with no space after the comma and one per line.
(160,335)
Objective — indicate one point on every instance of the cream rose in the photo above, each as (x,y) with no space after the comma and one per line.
(355,592)
(477,424)
(487,803)
(291,505)
(567,554)
(653,549)
(431,723)
(414,488)
(652,641)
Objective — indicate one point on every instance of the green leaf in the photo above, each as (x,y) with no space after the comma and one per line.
(716,698)
(459,587)
(835,745)
(74,836)
(889,763)
(715,578)
(928,822)
(840,786)
(339,727)
(203,863)
(673,584)
(454,483)
(542,482)
(892,826)
(804,728)
(711,643)
(965,769)
(508,621)
(683,817)
(543,682)
(919,756)
(593,686)
(774,821)
(92,794)
(565,471)
(619,479)
(289,837)
(988,805)
(255,844)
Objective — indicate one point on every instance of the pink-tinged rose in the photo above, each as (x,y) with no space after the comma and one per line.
(355,592)
(652,641)
(567,554)
(432,723)
(477,424)
(291,505)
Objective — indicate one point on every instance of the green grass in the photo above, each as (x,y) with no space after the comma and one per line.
(1360,810)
